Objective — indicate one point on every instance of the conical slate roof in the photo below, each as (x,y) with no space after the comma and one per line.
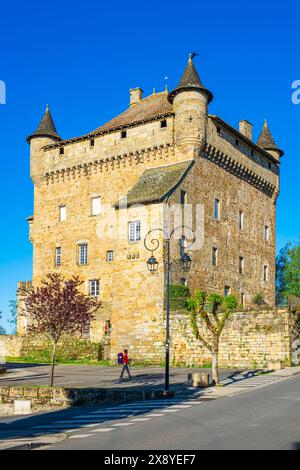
(266,140)
(190,81)
(46,128)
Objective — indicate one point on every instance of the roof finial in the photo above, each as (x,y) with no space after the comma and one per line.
(266,123)
(192,55)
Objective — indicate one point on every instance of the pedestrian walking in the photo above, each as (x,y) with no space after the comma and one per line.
(125,362)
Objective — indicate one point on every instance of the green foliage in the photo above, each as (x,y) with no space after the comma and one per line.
(230,302)
(280,284)
(258,299)
(69,348)
(178,296)
(13,310)
(2,330)
(292,271)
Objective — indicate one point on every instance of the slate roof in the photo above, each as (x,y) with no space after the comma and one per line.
(46,127)
(190,80)
(157,183)
(266,140)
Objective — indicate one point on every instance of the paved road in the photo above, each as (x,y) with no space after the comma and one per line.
(263,418)
(97,376)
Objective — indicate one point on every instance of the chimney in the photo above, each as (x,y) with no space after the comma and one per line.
(136,95)
(246,129)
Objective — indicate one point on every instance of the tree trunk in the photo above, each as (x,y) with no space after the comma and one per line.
(215,363)
(52,363)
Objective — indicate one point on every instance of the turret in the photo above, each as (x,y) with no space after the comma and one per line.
(45,134)
(267,142)
(190,101)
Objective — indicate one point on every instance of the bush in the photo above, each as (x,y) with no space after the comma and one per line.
(69,348)
(178,296)
(258,299)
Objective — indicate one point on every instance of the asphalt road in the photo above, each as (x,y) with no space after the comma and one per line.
(263,418)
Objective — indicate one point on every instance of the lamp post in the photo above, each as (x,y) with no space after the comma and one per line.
(152,264)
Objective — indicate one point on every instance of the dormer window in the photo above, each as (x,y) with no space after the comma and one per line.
(123,134)
(163,124)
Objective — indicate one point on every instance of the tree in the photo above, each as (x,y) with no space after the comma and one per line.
(13,310)
(214,310)
(280,284)
(58,307)
(2,330)
(292,271)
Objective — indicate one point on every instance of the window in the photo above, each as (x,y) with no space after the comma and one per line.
(163,124)
(266,273)
(94,288)
(217,209)
(58,256)
(251,153)
(83,253)
(219,130)
(62,213)
(241,265)
(237,143)
(85,331)
(214,256)
(109,256)
(242,299)
(241,220)
(123,134)
(226,291)
(96,205)
(266,233)
(61,151)
(92,142)
(183,198)
(182,245)
(269,165)
(183,281)
(135,231)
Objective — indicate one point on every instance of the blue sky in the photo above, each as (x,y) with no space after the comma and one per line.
(82,58)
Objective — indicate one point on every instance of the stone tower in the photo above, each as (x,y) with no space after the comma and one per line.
(190,101)
(45,134)
(267,142)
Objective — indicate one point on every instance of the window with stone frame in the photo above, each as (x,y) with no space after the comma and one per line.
(217,206)
(266,273)
(134,231)
(94,288)
(214,256)
(58,256)
(83,253)
(109,256)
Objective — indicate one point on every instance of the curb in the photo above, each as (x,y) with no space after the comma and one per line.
(31,443)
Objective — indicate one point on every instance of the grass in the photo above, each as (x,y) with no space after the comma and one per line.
(81,362)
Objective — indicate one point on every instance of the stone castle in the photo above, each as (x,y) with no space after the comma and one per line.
(97,196)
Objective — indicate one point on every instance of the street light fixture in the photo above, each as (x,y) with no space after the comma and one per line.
(152,264)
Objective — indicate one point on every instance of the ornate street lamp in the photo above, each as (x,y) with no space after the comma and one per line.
(152,264)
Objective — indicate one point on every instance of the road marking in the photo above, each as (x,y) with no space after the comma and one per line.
(156,414)
(169,411)
(180,406)
(79,436)
(140,419)
(103,430)
(122,424)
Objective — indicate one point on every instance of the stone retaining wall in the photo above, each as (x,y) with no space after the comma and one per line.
(250,339)
(46,398)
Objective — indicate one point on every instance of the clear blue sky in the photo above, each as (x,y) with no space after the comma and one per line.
(82,58)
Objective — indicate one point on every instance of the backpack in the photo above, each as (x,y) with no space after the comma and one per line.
(120,358)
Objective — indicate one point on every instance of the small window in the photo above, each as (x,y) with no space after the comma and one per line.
(241,220)
(218,130)
(241,265)
(266,233)
(86,331)
(92,142)
(163,124)
(237,142)
(183,198)
(217,209)
(123,134)
(214,256)
(107,327)
(266,273)
(242,299)
(83,254)
(269,165)
(226,291)
(134,231)
(58,256)
(96,205)
(61,150)
(183,281)
(109,256)
(62,213)
(182,245)
(94,288)
(251,153)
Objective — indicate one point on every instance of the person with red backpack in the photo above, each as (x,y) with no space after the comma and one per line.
(124,361)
